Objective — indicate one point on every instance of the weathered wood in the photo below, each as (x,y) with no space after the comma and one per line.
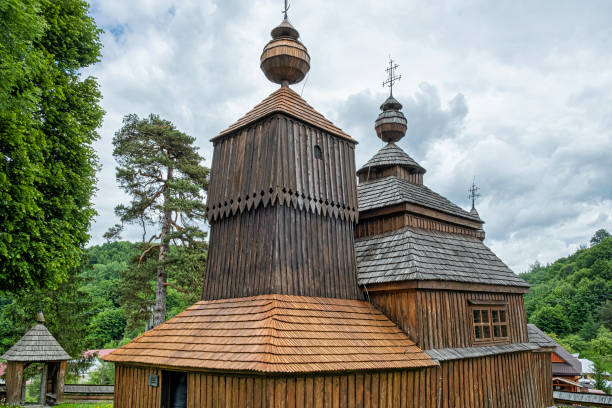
(437,319)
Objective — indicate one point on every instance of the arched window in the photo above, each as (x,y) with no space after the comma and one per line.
(318,153)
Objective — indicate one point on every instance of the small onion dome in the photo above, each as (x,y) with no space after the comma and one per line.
(391,123)
(284,59)
(40,318)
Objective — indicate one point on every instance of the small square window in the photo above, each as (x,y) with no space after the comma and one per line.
(490,323)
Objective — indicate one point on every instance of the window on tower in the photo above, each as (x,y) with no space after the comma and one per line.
(318,153)
(490,323)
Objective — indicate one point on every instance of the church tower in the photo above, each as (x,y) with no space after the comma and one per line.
(282,200)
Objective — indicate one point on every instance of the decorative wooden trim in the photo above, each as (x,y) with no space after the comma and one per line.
(444,285)
(485,302)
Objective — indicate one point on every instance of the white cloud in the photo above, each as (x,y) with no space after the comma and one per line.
(535,76)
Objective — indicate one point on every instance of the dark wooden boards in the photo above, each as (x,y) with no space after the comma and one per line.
(281,250)
(437,319)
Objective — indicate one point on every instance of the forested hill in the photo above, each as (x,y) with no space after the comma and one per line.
(572,298)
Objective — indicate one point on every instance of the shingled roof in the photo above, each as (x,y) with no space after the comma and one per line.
(537,336)
(418,254)
(276,334)
(285,100)
(37,345)
(392,190)
(390,155)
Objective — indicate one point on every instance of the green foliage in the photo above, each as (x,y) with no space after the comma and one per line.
(159,167)
(48,121)
(599,236)
(571,299)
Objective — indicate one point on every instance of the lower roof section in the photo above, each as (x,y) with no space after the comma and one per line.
(475,352)
(419,254)
(276,334)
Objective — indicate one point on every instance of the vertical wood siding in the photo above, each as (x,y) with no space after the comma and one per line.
(442,319)
(363,390)
(384,223)
(282,250)
(276,157)
(132,388)
(517,380)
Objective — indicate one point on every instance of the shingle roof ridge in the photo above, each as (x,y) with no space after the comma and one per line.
(286,100)
(389,155)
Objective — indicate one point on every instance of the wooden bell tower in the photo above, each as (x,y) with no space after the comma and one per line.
(282,200)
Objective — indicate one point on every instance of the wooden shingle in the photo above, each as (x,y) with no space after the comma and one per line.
(38,344)
(418,254)
(391,155)
(287,101)
(276,334)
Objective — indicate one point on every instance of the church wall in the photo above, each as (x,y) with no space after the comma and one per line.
(279,249)
(132,389)
(405,388)
(442,318)
(516,380)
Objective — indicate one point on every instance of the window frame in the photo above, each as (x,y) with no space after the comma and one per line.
(491,325)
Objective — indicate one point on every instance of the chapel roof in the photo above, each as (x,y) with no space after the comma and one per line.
(391,155)
(413,253)
(38,344)
(276,334)
(286,100)
(392,190)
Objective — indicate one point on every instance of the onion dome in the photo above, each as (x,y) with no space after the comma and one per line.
(284,59)
(391,123)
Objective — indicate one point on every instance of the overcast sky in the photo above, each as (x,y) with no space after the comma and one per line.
(516,94)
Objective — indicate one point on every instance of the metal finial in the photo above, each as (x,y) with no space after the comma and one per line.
(473,193)
(392,78)
(286,9)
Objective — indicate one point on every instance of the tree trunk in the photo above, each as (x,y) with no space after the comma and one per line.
(159,313)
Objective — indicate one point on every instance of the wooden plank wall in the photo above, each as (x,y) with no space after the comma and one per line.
(281,250)
(517,380)
(397,171)
(380,224)
(132,389)
(363,390)
(276,156)
(442,319)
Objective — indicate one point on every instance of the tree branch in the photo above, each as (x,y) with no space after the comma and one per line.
(172,285)
(146,252)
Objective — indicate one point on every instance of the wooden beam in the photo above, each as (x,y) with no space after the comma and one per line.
(444,285)
(14,382)
(420,210)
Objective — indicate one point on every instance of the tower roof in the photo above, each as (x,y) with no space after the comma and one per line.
(277,334)
(391,155)
(38,344)
(287,101)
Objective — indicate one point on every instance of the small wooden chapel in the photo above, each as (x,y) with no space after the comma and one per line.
(322,291)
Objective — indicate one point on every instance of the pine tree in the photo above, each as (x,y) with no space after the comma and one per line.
(159,167)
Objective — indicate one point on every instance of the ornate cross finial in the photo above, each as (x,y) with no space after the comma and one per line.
(473,193)
(286,9)
(392,78)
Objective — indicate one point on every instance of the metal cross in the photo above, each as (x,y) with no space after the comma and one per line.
(286,9)
(392,78)
(473,192)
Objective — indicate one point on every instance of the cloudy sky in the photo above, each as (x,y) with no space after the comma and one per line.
(515,94)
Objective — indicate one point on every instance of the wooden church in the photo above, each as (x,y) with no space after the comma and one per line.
(324,292)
